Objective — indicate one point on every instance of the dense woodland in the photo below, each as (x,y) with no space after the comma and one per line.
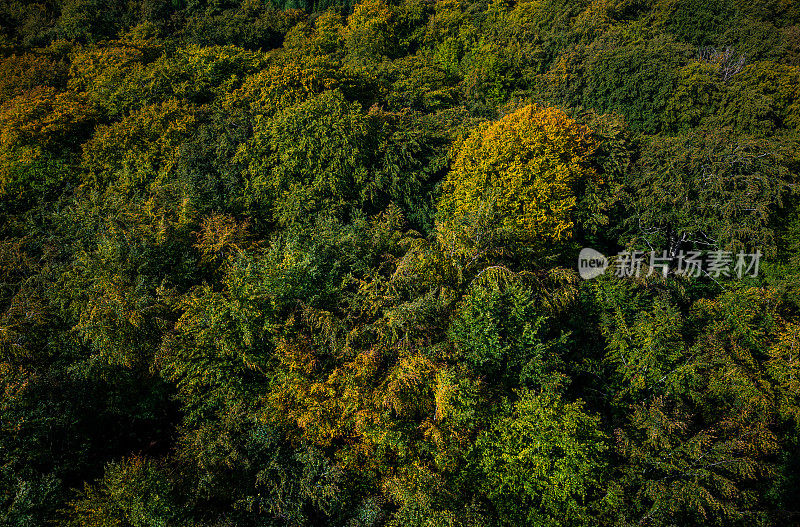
(314,263)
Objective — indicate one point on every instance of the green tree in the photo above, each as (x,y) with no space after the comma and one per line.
(544,462)
(708,189)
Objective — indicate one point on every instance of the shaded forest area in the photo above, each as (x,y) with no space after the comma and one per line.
(315,263)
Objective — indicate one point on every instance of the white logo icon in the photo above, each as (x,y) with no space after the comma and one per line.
(591,263)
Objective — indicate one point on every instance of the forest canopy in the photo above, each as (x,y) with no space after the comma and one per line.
(317,263)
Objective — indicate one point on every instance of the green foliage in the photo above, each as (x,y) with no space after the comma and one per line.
(90,20)
(298,166)
(500,334)
(696,97)
(698,22)
(544,462)
(311,262)
(138,152)
(635,79)
(116,290)
(56,429)
(326,154)
(370,30)
(250,24)
(133,492)
(763,98)
(700,397)
(708,188)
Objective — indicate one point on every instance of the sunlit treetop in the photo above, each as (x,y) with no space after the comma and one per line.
(518,176)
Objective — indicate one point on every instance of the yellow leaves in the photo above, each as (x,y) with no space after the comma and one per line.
(42,116)
(97,69)
(19,73)
(34,127)
(310,406)
(783,368)
(445,393)
(282,85)
(408,387)
(142,145)
(370,28)
(517,177)
(219,236)
(353,402)
(323,36)
(369,13)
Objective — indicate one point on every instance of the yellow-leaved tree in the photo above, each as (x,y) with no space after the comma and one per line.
(515,180)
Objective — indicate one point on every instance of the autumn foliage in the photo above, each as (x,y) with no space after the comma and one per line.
(313,263)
